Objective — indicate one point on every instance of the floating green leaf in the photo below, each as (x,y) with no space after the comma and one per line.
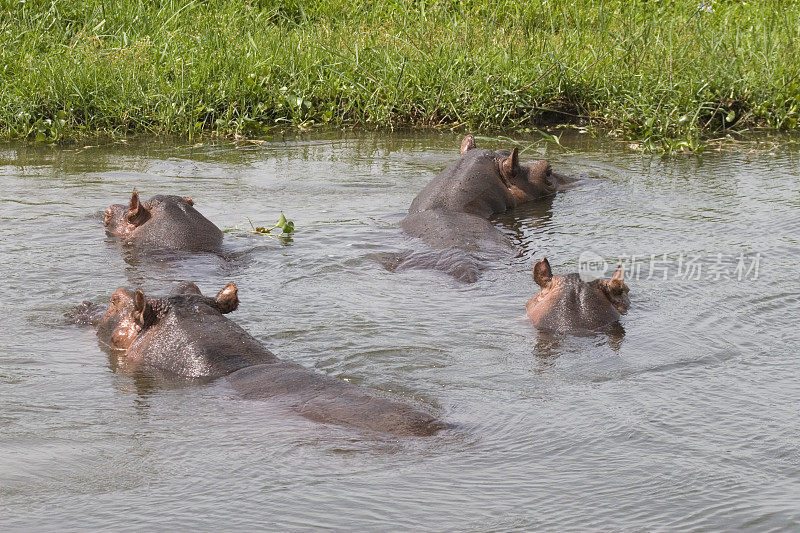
(286,227)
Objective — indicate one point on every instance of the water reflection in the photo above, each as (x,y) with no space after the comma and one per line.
(549,343)
(518,223)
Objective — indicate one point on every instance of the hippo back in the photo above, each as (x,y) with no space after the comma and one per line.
(330,400)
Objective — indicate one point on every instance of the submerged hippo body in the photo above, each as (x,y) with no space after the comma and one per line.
(165,222)
(187,335)
(452,212)
(566,303)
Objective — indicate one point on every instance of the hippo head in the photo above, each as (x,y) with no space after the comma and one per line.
(525,181)
(163,222)
(567,303)
(131,314)
(122,221)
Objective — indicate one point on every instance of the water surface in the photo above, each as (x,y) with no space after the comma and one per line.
(686,419)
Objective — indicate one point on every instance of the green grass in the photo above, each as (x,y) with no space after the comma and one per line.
(666,74)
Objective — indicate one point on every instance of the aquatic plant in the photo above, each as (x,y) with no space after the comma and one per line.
(286,227)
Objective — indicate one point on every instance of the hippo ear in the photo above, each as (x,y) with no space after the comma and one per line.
(228,298)
(143,313)
(509,167)
(137,213)
(616,282)
(542,273)
(188,200)
(467,144)
(139,301)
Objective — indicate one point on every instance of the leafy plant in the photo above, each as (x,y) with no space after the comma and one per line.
(286,227)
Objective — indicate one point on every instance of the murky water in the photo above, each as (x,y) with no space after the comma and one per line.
(686,420)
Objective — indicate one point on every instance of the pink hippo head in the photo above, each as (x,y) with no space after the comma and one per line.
(568,303)
(131,316)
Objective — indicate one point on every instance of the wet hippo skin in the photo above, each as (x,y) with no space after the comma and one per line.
(162,222)
(567,303)
(452,212)
(187,334)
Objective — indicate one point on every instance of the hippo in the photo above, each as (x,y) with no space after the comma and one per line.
(566,303)
(186,334)
(451,214)
(165,222)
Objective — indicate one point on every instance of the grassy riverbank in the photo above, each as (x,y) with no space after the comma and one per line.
(668,74)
